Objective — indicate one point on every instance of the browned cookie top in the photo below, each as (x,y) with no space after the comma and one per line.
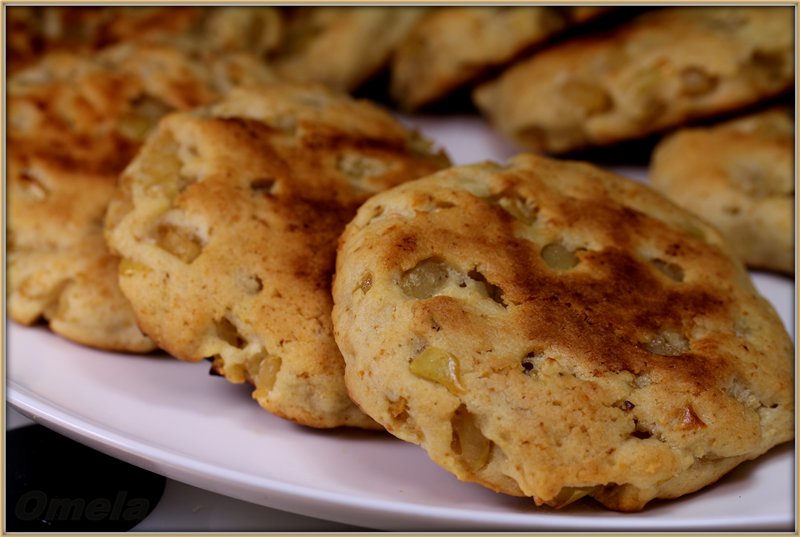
(551,330)
(227,223)
(36,30)
(74,122)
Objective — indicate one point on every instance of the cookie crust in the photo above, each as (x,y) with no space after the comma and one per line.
(738,175)
(74,122)
(453,46)
(660,70)
(550,330)
(227,223)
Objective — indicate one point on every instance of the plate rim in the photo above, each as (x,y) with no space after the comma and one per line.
(338,507)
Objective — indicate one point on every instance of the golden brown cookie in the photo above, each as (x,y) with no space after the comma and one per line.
(36,30)
(738,175)
(658,71)
(551,330)
(74,122)
(452,46)
(341,47)
(227,223)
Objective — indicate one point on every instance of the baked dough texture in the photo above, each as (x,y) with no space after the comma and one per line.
(341,47)
(551,330)
(74,122)
(660,70)
(738,175)
(227,222)
(36,30)
(453,46)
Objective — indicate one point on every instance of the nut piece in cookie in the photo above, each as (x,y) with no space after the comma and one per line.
(658,71)
(227,222)
(738,175)
(551,330)
(74,122)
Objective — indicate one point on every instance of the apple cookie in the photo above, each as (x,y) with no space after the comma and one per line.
(738,175)
(548,329)
(227,222)
(74,122)
(658,71)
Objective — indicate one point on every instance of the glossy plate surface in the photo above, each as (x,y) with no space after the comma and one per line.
(173,418)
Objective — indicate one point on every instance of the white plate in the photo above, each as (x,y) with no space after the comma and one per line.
(173,418)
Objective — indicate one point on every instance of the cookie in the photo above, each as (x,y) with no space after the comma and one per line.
(255,29)
(738,175)
(453,46)
(660,70)
(58,266)
(341,47)
(582,14)
(551,330)
(36,30)
(227,223)
(74,122)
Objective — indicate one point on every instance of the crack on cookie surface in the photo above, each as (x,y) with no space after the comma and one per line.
(486,288)
(641,431)
(673,271)
(531,363)
(263,186)
(227,331)
(33,185)
(516,205)
(252,284)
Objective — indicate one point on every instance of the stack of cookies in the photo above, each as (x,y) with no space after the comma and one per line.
(74,123)
(655,73)
(198,180)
